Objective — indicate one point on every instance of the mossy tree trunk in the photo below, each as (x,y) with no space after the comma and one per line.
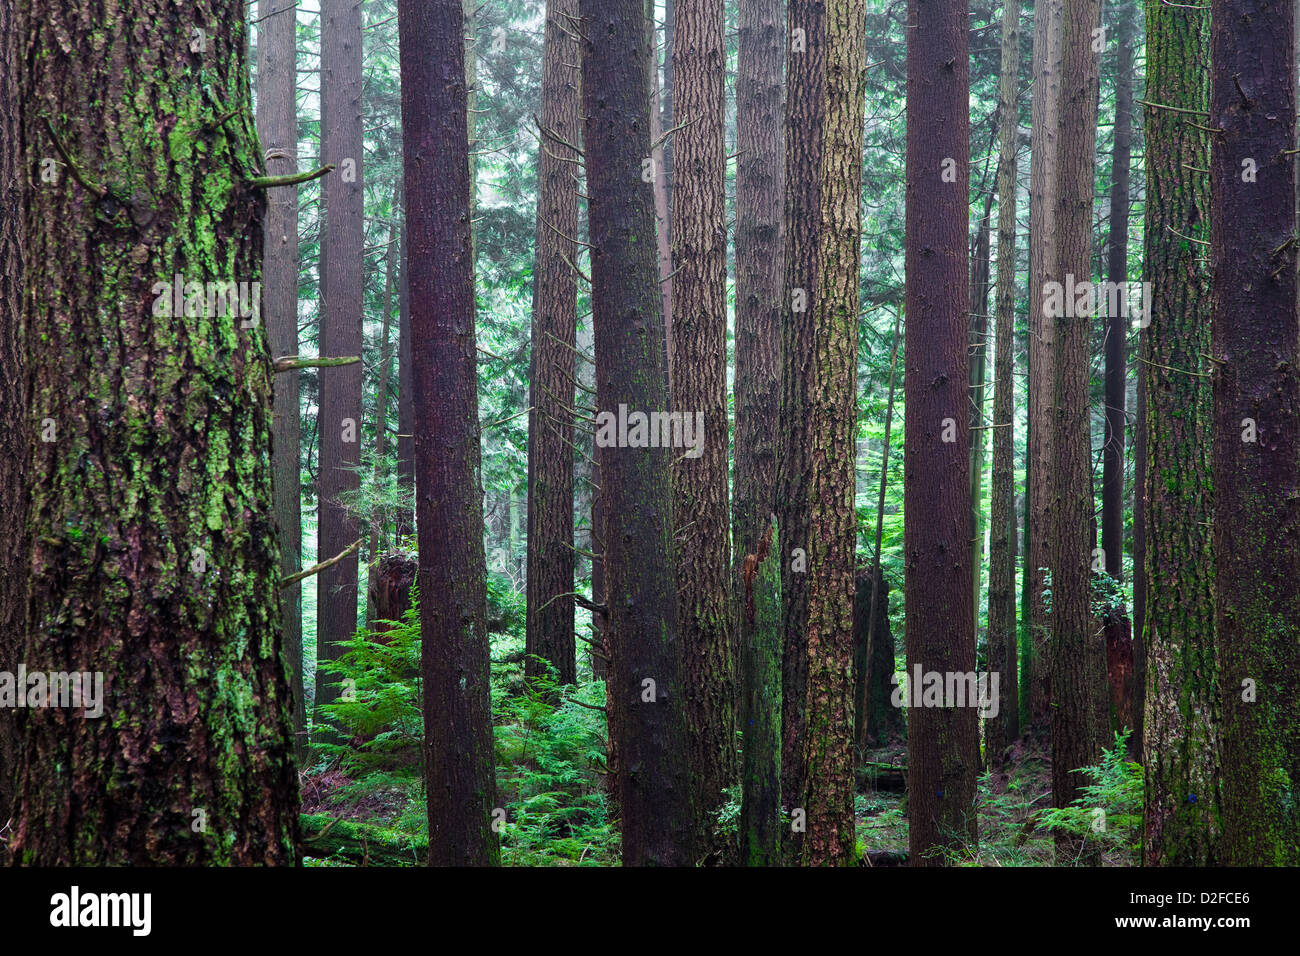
(832,538)
(155,557)
(1256,383)
(645,703)
(1181,747)
(759,203)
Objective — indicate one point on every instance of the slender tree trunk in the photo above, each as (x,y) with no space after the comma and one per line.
(645,702)
(861,721)
(1181,749)
(1042,328)
(699,386)
(554,360)
(666,112)
(149,433)
(340,334)
(15,421)
(277,122)
(459,770)
(832,535)
(663,226)
(1075,681)
(405,526)
(1003,728)
(942,742)
(1256,337)
(805,106)
(759,204)
(1112,482)
(979,337)
(378,525)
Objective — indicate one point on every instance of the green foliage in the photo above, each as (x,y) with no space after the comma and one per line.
(1109,809)
(550,760)
(379,712)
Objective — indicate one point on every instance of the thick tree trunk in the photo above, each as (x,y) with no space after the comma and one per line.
(699,386)
(459,769)
(15,422)
(150,432)
(1042,332)
(832,537)
(805,106)
(277,125)
(645,702)
(1256,337)
(339,420)
(759,204)
(943,742)
(1077,658)
(1002,729)
(554,359)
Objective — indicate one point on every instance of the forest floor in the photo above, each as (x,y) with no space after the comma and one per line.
(1009,801)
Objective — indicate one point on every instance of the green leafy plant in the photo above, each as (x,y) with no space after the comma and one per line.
(1109,809)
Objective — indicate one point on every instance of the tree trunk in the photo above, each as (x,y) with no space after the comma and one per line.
(277,122)
(663,227)
(554,360)
(459,768)
(942,742)
(1002,729)
(1042,334)
(644,693)
(759,204)
(1075,661)
(699,386)
(379,523)
(866,679)
(1112,481)
(880,721)
(405,526)
(832,538)
(15,420)
(978,318)
(149,437)
(1256,337)
(340,333)
(805,106)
